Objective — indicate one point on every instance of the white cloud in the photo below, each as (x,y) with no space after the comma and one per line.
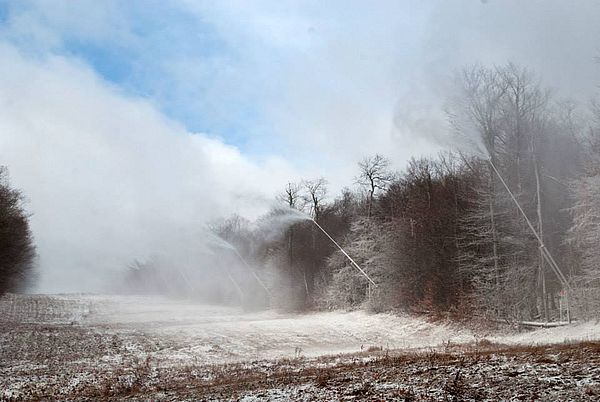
(346,78)
(343,78)
(327,77)
(108,177)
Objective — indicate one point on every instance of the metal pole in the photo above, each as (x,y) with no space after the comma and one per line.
(545,251)
(237,287)
(253,272)
(346,254)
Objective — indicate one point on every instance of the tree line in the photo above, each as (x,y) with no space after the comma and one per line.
(17,251)
(444,235)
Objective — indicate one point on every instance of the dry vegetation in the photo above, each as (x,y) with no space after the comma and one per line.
(40,361)
(55,356)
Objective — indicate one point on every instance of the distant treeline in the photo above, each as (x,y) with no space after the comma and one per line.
(444,236)
(17,252)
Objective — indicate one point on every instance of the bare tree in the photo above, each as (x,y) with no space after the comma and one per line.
(376,176)
(523,103)
(371,243)
(475,117)
(291,195)
(316,191)
(17,252)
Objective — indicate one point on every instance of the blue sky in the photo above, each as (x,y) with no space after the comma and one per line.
(154,37)
(218,68)
(301,79)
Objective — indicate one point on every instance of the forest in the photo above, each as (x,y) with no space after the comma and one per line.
(444,235)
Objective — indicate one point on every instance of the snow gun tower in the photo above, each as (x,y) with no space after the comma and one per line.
(543,250)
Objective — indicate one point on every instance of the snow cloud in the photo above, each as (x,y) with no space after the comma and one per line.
(127,123)
(108,177)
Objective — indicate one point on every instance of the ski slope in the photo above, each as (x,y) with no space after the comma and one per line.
(201,333)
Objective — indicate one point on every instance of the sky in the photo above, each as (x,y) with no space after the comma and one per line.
(129,124)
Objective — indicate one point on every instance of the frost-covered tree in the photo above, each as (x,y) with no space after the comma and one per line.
(585,232)
(371,245)
(586,228)
(507,111)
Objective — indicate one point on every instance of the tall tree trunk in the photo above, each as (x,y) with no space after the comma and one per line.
(541,233)
(494,237)
(370,206)
(456,242)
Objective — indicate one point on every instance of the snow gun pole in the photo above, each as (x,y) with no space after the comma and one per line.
(253,273)
(237,287)
(547,256)
(346,254)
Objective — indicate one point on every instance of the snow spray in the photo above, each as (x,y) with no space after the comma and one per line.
(224,244)
(302,215)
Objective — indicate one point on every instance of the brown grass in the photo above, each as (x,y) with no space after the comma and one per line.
(477,371)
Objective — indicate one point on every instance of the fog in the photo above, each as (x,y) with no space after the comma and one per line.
(119,163)
(108,178)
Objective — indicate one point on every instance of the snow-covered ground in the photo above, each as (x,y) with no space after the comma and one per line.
(271,334)
(217,334)
(575,332)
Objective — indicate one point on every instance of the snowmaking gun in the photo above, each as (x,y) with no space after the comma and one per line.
(544,251)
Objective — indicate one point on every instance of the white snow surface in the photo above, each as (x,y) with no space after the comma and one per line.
(231,333)
(576,332)
(184,330)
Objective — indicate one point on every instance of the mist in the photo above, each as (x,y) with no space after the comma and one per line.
(122,160)
(108,178)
